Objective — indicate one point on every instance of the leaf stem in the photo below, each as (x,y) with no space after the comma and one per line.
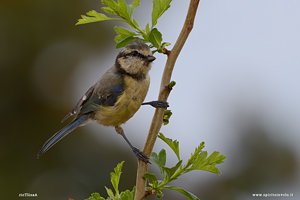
(163,95)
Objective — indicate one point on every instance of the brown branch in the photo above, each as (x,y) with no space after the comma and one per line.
(163,95)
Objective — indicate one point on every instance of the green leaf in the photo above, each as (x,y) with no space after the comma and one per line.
(127,195)
(159,194)
(111,4)
(216,158)
(159,159)
(110,193)
(182,191)
(95,196)
(195,155)
(174,145)
(155,38)
(123,33)
(162,157)
(115,177)
(131,8)
(202,162)
(124,10)
(159,7)
(171,171)
(147,29)
(151,179)
(135,24)
(125,41)
(109,10)
(119,8)
(94,16)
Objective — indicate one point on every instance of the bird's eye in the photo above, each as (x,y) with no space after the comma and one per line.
(134,53)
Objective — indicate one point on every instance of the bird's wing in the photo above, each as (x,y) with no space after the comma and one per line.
(105,94)
(83,99)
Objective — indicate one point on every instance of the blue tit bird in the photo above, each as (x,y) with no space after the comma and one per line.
(116,97)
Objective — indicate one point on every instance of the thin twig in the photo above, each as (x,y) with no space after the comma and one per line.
(163,95)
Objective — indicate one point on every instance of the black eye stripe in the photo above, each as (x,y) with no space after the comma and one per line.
(135,54)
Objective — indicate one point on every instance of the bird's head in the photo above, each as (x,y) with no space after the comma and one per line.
(135,59)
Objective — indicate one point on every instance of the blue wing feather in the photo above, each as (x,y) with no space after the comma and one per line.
(108,99)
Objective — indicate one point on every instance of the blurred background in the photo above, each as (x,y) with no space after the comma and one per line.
(238,79)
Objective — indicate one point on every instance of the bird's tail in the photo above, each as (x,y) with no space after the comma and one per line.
(61,134)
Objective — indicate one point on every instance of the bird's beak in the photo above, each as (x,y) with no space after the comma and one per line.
(151,58)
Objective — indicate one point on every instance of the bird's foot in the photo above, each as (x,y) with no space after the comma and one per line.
(140,155)
(157,104)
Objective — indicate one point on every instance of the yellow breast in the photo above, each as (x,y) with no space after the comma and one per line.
(127,104)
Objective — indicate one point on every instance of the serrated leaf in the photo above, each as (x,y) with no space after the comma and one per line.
(123,10)
(132,7)
(211,168)
(194,156)
(110,193)
(94,16)
(155,38)
(127,195)
(216,158)
(115,176)
(124,31)
(182,191)
(171,171)
(151,179)
(111,4)
(159,159)
(220,159)
(174,145)
(123,34)
(95,196)
(109,10)
(205,163)
(159,7)
(119,8)
(125,41)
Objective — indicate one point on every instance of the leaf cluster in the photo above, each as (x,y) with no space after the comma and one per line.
(167,115)
(115,179)
(124,12)
(199,160)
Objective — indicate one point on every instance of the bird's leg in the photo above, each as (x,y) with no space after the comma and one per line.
(135,150)
(157,104)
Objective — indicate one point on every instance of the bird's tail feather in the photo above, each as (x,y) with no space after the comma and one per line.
(61,134)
